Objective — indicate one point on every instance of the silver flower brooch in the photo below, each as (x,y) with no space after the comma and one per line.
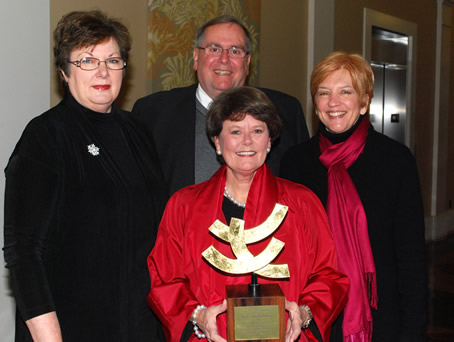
(93,150)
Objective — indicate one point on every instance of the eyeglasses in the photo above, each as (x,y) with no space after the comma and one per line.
(216,50)
(92,63)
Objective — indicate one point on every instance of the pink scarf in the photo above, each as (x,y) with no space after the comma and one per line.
(349,226)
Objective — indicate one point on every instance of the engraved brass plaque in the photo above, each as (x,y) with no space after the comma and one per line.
(256,322)
(258,318)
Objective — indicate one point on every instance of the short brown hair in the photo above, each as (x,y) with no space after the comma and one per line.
(87,28)
(358,68)
(234,104)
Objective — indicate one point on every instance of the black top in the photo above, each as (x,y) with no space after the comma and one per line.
(80,225)
(386,179)
(230,210)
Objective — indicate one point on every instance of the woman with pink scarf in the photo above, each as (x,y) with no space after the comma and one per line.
(369,186)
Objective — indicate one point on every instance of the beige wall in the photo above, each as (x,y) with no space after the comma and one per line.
(134,14)
(283,46)
(443,176)
(450,172)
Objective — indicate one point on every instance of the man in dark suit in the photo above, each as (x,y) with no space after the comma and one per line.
(177,117)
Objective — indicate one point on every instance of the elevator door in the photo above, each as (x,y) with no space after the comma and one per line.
(388,110)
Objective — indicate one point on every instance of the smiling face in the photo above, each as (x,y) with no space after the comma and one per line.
(95,89)
(243,144)
(219,73)
(337,103)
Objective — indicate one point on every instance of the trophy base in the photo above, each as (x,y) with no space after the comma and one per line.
(255,318)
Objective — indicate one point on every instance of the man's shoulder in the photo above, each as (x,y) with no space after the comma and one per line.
(175,94)
(165,106)
(283,102)
(276,94)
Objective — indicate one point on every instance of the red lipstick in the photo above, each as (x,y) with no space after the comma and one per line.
(102,87)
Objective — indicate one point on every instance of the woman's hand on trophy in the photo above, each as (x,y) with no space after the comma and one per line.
(206,321)
(294,322)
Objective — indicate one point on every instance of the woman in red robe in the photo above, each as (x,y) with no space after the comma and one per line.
(185,288)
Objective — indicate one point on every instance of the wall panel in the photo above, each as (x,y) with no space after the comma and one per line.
(24,93)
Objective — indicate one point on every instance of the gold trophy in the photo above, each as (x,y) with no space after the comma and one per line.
(255,312)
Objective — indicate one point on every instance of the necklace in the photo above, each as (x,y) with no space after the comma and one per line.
(230,197)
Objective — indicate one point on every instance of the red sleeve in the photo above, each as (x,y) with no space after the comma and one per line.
(170,296)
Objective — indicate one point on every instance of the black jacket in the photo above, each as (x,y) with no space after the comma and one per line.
(386,179)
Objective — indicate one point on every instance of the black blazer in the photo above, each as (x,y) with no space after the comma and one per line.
(171,116)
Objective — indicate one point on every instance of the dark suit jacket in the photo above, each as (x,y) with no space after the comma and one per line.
(171,116)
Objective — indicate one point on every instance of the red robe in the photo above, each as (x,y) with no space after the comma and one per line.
(181,279)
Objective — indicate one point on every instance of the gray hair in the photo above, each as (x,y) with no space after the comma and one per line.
(223,19)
